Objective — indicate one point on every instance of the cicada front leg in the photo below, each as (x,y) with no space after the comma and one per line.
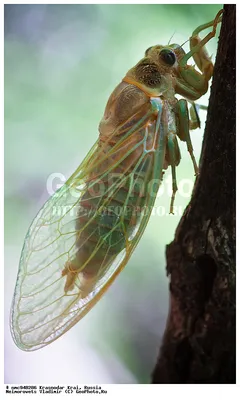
(197,46)
(194,84)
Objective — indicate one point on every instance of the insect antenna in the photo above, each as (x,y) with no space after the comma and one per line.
(184,42)
(171,37)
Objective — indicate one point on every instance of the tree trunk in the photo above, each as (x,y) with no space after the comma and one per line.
(199,341)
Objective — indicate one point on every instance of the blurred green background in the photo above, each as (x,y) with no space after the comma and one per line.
(61,64)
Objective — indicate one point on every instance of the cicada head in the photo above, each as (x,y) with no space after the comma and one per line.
(164,71)
(165,56)
(156,71)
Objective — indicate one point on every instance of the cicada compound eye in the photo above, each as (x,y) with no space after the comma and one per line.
(168,56)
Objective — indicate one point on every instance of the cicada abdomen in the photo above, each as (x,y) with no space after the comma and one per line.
(116,188)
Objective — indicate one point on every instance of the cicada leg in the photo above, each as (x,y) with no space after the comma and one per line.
(184,124)
(195,121)
(173,154)
(193,83)
(199,52)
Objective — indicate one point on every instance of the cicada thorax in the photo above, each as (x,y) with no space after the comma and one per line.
(116,188)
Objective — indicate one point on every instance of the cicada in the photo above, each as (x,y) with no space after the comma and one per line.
(86,232)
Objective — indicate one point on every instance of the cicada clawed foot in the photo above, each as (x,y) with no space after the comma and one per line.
(196,84)
(195,166)
(196,172)
(172,202)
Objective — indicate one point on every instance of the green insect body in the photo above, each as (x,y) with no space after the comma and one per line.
(86,232)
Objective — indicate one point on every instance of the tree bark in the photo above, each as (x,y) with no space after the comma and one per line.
(199,341)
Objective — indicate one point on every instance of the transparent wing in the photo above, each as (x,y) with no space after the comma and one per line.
(78,243)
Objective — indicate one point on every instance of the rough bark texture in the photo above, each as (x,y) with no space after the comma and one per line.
(199,341)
